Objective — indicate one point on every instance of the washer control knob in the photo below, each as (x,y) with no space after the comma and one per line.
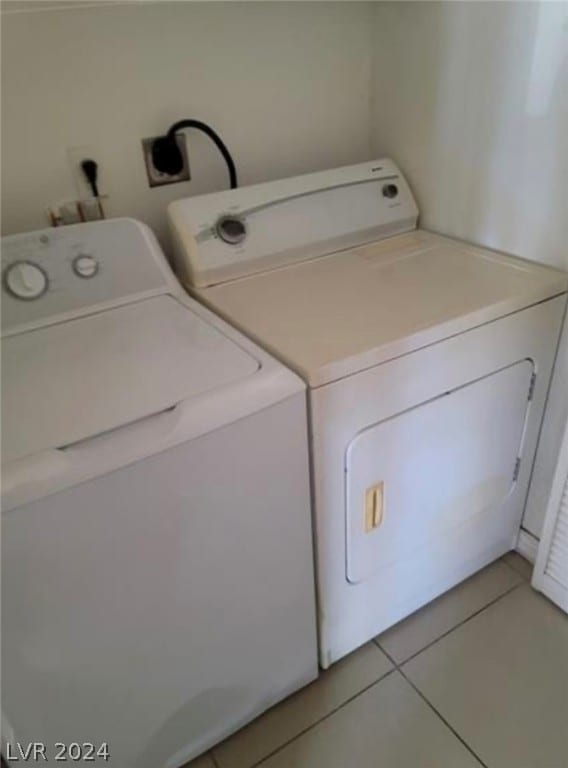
(25,280)
(85,265)
(231,229)
(390,191)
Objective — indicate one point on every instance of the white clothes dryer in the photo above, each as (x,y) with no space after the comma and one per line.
(428,362)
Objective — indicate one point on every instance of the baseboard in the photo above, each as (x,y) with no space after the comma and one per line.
(527,545)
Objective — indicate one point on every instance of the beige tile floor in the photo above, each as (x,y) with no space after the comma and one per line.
(477,678)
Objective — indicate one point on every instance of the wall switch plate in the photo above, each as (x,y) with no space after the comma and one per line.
(155,177)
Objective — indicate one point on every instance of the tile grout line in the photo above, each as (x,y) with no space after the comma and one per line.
(449,631)
(321,720)
(443,719)
(429,645)
(434,710)
(397,668)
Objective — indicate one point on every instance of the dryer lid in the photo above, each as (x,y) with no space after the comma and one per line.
(70,381)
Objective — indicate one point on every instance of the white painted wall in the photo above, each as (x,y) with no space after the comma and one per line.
(472,101)
(285,84)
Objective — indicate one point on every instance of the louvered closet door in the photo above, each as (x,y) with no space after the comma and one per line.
(551,569)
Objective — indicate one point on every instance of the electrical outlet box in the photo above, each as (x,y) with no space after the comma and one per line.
(155,177)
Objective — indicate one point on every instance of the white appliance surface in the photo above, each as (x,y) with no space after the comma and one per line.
(108,369)
(234,233)
(447,475)
(144,441)
(428,362)
(334,315)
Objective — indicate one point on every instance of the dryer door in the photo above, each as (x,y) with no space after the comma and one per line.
(422,472)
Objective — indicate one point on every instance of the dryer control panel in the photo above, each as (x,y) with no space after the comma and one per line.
(232,234)
(51,274)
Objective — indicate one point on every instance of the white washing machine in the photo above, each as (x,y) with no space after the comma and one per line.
(157,578)
(428,362)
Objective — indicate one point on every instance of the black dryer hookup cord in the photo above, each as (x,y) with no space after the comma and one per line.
(166,154)
(91,171)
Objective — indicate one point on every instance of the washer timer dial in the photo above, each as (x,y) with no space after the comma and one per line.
(25,280)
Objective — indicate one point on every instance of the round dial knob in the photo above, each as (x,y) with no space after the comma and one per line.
(85,265)
(25,280)
(390,190)
(231,229)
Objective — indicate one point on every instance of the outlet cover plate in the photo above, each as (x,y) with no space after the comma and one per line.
(155,177)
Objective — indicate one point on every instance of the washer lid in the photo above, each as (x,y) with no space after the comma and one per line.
(74,380)
(338,314)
